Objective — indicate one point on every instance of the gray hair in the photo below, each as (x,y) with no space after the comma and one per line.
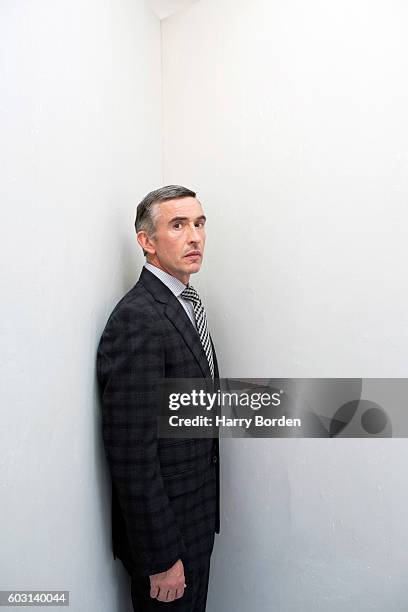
(145,215)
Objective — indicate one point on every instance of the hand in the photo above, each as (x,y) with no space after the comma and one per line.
(168,585)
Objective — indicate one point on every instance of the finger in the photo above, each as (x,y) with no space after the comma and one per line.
(170,595)
(154,590)
(162,596)
(179,593)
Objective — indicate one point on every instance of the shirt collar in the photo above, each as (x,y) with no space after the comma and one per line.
(173,283)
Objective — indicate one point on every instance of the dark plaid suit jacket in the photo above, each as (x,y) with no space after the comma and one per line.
(165,492)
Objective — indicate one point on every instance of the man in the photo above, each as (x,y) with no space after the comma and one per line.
(165,492)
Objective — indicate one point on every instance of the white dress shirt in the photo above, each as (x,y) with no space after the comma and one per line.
(175,286)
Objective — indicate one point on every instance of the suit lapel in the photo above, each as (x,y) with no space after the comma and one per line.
(216,371)
(176,314)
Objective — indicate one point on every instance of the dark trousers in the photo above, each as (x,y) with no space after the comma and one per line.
(193,600)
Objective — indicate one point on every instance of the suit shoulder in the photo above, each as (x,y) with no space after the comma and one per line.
(137,305)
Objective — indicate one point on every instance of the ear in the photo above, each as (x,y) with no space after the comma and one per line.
(145,242)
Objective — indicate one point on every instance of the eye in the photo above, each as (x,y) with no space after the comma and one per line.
(199,224)
(177,225)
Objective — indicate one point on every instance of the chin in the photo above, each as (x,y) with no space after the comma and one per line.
(193,268)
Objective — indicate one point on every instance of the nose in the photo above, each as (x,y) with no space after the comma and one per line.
(193,235)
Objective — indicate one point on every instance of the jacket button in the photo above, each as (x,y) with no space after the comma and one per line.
(215,459)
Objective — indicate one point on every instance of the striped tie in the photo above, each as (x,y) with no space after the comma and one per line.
(189,293)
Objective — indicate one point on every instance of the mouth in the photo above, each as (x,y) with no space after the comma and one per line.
(193,254)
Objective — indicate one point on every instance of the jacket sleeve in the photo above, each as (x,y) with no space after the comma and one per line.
(130,363)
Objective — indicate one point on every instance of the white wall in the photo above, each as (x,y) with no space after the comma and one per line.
(290,120)
(80,141)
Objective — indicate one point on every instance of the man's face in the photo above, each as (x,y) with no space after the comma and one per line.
(177,246)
